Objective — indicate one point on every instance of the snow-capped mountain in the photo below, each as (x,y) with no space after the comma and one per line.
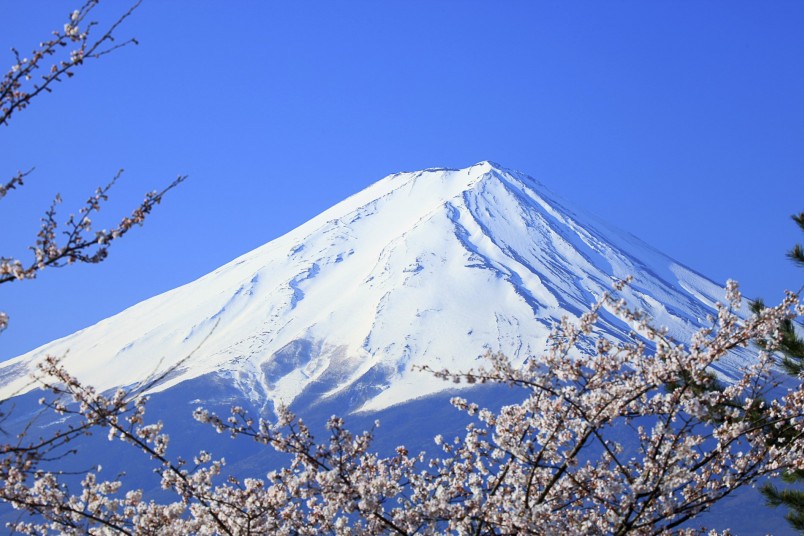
(434,267)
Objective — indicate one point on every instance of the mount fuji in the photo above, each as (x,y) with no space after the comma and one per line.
(434,267)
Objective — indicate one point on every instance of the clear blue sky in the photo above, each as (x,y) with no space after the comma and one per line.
(682,122)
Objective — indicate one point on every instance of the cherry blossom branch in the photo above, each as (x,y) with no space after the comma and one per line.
(17,86)
(13,183)
(80,244)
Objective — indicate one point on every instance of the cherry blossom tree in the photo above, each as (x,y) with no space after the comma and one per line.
(626,439)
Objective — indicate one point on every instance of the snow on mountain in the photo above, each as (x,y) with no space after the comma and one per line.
(434,267)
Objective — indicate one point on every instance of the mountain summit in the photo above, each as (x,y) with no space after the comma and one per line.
(433,267)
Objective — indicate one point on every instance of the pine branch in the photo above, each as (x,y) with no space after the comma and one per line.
(797,253)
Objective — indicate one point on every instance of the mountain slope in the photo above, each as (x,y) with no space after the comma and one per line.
(434,267)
